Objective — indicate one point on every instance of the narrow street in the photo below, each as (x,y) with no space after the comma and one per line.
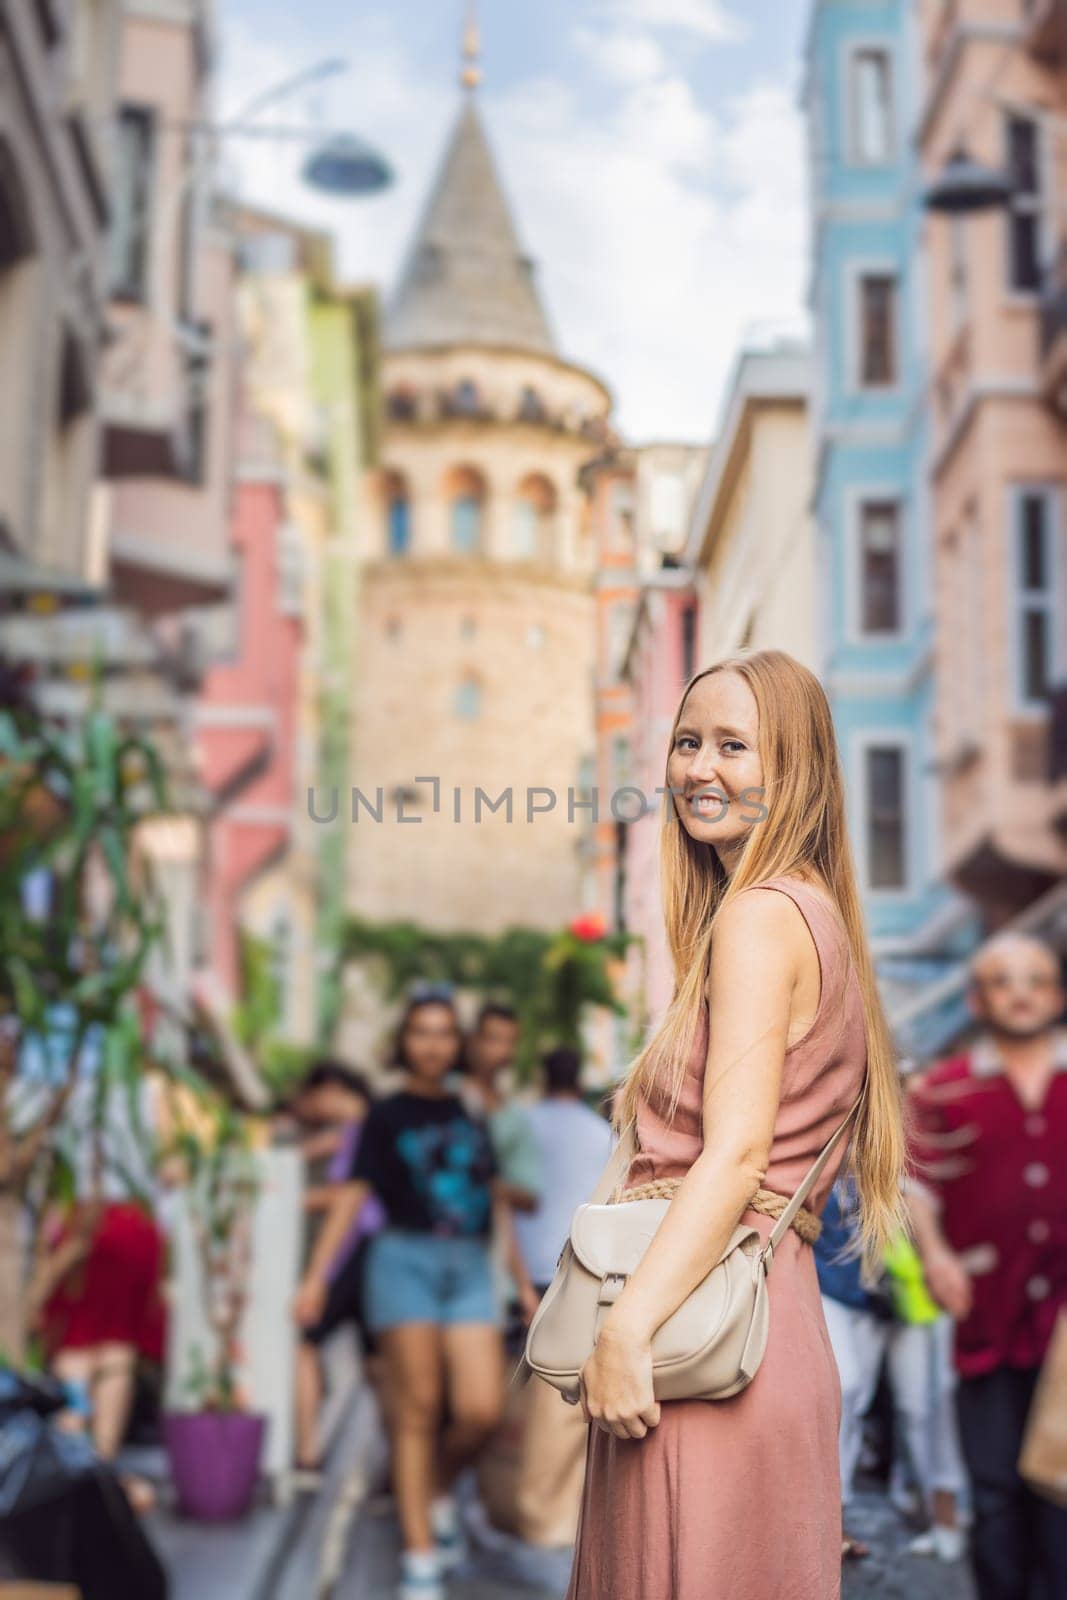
(890,1573)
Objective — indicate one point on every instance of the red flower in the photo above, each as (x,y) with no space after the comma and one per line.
(589,927)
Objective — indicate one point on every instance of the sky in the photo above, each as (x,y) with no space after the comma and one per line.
(652,152)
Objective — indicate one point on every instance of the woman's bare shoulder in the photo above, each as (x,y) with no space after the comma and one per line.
(758,931)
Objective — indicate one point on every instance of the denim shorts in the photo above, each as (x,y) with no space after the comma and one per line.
(424,1277)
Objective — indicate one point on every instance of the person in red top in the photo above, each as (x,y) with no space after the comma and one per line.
(988,1199)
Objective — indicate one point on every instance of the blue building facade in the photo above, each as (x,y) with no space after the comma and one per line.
(870,499)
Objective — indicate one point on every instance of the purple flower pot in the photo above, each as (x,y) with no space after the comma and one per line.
(214,1461)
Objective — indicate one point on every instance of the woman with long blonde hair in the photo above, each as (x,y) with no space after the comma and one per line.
(775,1030)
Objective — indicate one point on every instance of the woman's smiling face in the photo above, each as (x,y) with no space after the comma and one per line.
(714,769)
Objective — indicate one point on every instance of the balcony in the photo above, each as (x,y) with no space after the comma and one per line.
(404,408)
(1053,336)
(1045,22)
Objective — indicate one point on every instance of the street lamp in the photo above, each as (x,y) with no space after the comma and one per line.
(347,165)
(964,187)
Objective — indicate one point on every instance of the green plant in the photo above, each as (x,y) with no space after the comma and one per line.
(77,923)
(549,978)
(256,1017)
(211,1143)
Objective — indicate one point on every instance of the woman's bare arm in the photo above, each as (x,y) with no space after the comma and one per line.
(345,1206)
(754,969)
(756,960)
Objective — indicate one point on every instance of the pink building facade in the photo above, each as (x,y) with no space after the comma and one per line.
(998,488)
(246,718)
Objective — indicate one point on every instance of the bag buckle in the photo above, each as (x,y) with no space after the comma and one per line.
(611,1286)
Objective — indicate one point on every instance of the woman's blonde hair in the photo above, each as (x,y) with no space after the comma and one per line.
(804,831)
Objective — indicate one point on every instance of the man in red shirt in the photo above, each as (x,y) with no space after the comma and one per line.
(988,1199)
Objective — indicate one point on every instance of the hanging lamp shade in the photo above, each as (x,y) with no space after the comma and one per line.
(963,186)
(347,165)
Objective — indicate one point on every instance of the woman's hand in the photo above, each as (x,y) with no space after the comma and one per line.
(616,1384)
(309,1302)
(949,1282)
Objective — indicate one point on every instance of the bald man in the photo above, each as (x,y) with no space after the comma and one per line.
(988,1199)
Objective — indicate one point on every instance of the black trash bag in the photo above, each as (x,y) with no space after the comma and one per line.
(64,1517)
(26,1391)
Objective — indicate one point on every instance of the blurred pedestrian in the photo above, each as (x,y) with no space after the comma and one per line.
(988,1196)
(488,1056)
(859,1325)
(483,1084)
(923,1384)
(572,1142)
(105,1259)
(332,1104)
(429,1294)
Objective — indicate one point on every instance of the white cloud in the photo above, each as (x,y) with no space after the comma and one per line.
(623,55)
(710,19)
(663,227)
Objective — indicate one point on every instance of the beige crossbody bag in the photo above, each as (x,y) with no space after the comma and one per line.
(711,1347)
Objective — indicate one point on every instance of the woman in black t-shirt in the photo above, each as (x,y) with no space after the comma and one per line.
(428,1290)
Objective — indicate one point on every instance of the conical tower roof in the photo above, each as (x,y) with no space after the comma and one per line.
(466,279)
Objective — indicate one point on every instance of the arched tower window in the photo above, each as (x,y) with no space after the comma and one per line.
(533,519)
(468,699)
(465,494)
(397,500)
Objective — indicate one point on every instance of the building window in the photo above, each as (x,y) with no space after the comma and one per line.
(879,539)
(884,789)
(878,293)
(464,491)
(468,700)
(535,636)
(468,627)
(132,187)
(871,106)
(622,516)
(533,519)
(689,642)
(1034,595)
(466,524)
(290,558)
(1024,216)
(399,525)
(620,626)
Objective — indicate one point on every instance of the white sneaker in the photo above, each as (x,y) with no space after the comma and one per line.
(949,1543)
(922,1544)
(448,1533)
(420,1576)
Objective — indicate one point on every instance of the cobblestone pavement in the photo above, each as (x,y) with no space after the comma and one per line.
(510,1571)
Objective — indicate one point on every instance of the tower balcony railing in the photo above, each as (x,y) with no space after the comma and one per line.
(427,409)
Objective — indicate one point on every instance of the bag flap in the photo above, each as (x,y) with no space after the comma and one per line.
(610,1239)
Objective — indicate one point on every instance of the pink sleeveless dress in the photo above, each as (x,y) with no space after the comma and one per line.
(740,1499)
